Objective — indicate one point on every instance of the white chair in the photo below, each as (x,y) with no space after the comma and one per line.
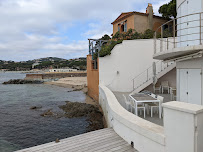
(173,93)
(139,107)
(154,105)
(157,88)
(164,85)
(127,103)
(148,104)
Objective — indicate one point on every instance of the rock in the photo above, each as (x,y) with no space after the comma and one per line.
(22,81)
(78,89)
(57,140)
(47,113)
(35,108)
(93,114)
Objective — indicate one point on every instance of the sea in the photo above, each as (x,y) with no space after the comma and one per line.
(21,127)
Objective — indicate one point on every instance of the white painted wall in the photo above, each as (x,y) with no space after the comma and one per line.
(146,136)
(126,61)
(183,127)
(182,132)
(186,7)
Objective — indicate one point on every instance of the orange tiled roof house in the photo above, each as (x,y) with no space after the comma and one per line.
(138,21)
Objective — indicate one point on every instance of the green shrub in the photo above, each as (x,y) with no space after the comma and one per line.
(118,38)
(118,35)
(148,34)
(106,49)
(167,33)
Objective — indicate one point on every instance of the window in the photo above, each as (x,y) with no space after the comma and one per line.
(125,27)
(122,28)
(118,28)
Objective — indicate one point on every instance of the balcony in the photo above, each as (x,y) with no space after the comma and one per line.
(183,39)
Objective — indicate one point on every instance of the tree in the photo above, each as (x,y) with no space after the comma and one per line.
(105,37)
(168,10)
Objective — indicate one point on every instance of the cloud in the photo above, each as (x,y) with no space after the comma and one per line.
(41,28)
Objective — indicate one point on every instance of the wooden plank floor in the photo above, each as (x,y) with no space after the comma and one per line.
(105,140)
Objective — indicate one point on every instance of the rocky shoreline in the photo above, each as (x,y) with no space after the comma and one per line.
(93,114)
(91,109)
(76,110)
(22,81)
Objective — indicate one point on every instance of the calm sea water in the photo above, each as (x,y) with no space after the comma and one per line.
(21,127)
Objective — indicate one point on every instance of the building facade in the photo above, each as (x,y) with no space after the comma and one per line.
(62,70)
(187,51)
(138,21)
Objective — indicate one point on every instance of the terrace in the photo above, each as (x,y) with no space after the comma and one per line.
(155,119)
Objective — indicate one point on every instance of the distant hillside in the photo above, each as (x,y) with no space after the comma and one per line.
(49,59)
(44,63)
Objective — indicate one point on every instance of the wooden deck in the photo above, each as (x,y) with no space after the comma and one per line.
(104,140)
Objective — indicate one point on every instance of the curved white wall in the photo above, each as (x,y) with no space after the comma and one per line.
(189,24)
(146,136)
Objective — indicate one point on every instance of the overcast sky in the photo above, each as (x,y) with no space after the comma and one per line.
(31,29)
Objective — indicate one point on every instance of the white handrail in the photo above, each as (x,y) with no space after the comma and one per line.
(148,74)
(180,34)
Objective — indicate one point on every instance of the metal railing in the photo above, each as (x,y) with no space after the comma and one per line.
(179,32)
(148,74)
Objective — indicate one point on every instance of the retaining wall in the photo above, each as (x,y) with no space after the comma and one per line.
(182,131)
(54,75)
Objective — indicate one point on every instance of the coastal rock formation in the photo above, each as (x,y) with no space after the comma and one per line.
(93,114)
(22,81)
(35,107)
(47,113)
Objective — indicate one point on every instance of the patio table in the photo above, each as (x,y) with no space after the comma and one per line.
(144,98)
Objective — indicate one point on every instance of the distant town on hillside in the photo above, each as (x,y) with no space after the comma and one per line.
(43,63)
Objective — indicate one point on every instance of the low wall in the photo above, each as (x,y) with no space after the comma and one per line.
(33,77)
(54,75)
(146,136)
(182,131)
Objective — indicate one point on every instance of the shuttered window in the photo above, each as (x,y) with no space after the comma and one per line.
(125,27)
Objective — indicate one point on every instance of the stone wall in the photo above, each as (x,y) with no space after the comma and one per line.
(54,75)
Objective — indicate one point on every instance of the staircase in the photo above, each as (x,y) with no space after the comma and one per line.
(144,79)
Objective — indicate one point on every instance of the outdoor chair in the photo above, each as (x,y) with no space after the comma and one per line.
(173,93)
(157,88)
(164,85)
(150,103)
(127,103)
(139,107)
(154,105)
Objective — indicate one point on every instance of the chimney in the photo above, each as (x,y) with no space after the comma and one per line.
(150,13)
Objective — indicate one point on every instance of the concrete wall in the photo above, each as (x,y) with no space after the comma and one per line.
(92,79)
(126,61)
(182,131)
(183,127)
(54,75)
(146,136)
(141,23)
